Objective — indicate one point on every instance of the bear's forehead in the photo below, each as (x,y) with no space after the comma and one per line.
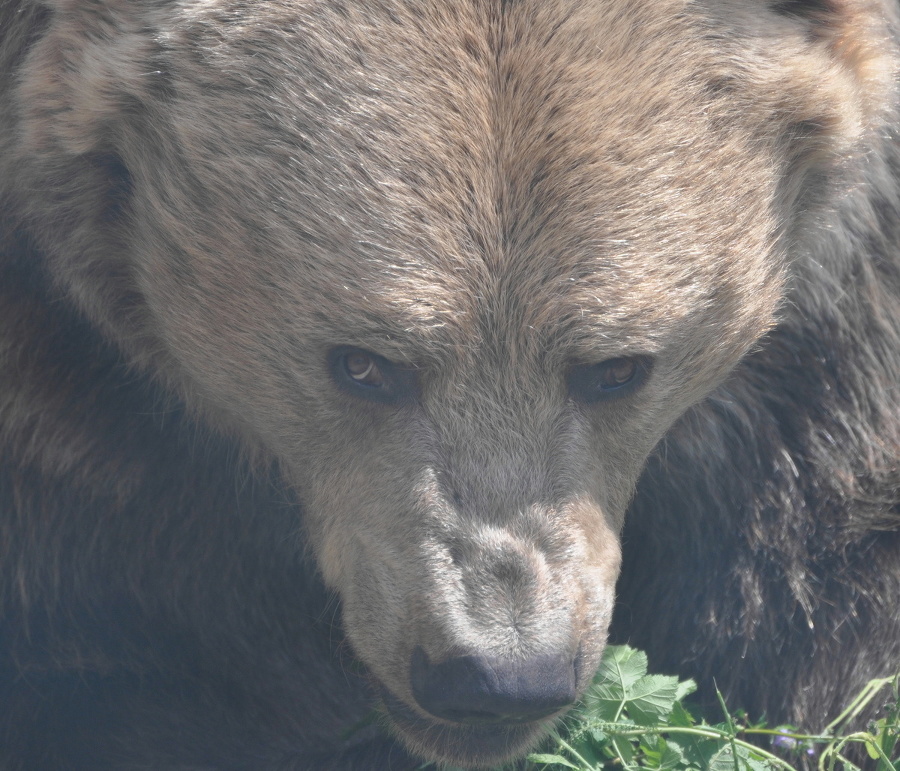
(555,164)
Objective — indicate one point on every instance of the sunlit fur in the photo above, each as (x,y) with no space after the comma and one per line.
(212,555)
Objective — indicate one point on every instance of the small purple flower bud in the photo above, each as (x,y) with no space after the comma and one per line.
(784,743)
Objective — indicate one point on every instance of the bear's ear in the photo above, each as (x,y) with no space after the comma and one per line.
(77,91)
(855,34)
(819,77)
(81,73)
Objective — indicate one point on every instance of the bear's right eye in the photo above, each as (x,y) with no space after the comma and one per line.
(370,376)
(363,369)
(610,379)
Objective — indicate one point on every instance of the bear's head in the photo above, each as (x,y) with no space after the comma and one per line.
(457,266)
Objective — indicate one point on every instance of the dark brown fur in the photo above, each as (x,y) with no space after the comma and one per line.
(216,556)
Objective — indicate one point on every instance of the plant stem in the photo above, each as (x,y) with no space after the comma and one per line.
(708,732)
(859,703)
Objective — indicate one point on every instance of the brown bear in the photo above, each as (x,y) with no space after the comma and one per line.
(350,348)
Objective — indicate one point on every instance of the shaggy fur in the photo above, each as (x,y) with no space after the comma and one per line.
(218,552)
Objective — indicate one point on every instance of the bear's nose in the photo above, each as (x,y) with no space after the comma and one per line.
(485,689)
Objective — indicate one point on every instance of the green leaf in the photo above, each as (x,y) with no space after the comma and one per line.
(650,699)
(680,717)
(551,760)
(584,747)
(660,754)
(722,760)
(652,746)
(871,751)
(672,757)
(622,683)
(599,737)
(622,664)
(623,749)
(620,668)
(688,760)
(752,760)
(685,688)
(700,751)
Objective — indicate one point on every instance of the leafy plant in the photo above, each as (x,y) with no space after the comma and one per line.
(630,719)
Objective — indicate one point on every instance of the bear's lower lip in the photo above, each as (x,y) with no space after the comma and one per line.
(469,743)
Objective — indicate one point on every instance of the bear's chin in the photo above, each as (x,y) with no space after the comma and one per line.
(475,745)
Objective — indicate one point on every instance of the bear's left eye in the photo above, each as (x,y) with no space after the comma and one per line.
(370,376)
(609,379)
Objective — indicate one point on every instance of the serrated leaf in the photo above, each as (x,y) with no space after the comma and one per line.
(620,668)
(659,754)
(622,664)
(622,683)
(688,759)
(721,760)
(551,760)
(672,757)
(650,699)
(700,751)
(754,764)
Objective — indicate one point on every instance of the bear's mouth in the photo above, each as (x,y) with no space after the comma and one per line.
(471,742)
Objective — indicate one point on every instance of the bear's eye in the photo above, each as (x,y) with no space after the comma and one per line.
(370,376)
(362,368)
(609,379)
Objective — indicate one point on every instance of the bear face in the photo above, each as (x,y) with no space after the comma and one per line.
(439,262)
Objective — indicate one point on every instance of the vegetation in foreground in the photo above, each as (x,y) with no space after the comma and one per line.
(630,719)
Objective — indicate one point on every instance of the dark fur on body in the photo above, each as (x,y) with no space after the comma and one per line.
(799,489)
(161,604)
(193,638)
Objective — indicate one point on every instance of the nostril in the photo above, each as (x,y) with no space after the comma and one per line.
(489,689)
